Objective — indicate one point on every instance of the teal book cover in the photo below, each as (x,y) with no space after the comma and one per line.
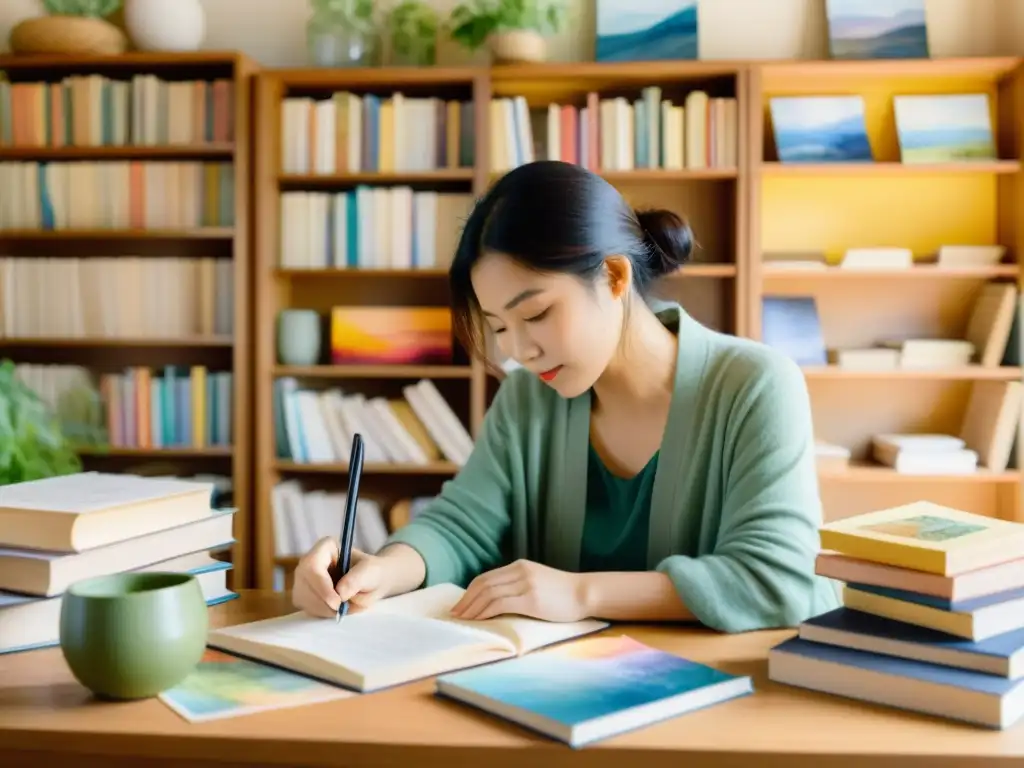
(593,688)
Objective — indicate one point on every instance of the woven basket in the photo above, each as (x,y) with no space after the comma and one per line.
(73,35)
(517,46)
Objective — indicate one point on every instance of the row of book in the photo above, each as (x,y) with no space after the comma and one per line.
(371,228)
(317,427)
(118,194)
(173,407)
(116,297)
(60,530)
(97,111)
(359,133)
(618,134)
(932,616)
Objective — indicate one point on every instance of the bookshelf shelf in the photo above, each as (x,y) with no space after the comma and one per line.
(363,273)
(968,373)
(160,299)
(126,152)
(994,167)
(376,371)
(829,208)
(434,468)
(930,272)
(156,453)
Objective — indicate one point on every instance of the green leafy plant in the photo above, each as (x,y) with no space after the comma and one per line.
(93,8)
(32,445)
(473,21)
(413,27)
(356,13)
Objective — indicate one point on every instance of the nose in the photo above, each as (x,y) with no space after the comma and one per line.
(523,348)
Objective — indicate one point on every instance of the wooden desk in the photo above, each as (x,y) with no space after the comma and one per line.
(45,713)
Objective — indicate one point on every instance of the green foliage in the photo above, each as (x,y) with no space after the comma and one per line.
(94,8)
(357,13)
(413,27)
(473,21)
(32,445)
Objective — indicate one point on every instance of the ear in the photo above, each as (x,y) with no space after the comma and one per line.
(619,272)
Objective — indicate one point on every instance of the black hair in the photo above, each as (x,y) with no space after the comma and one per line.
(554,216)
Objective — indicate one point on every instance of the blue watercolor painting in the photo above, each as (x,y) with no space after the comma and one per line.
(877,29)
(646,30)
(944,128)
(581,681)
(820,129)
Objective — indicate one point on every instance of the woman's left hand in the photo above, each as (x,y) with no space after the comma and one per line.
(525,588)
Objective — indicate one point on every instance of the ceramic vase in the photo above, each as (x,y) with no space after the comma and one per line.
(165,25)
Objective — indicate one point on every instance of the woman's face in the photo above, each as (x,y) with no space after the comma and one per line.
(555,325)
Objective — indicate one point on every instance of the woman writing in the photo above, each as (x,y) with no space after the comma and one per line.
(637,467)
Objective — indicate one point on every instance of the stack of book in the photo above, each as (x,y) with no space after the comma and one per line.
(60,530)
(932,618)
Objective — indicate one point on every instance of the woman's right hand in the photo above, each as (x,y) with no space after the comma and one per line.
(314,592)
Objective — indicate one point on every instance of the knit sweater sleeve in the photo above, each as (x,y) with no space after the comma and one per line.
(459,534)
(760,574)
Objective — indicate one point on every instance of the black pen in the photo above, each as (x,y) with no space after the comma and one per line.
(355,471)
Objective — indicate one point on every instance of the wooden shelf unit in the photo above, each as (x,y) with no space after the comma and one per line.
(113,354)
(714,199)
(831,207)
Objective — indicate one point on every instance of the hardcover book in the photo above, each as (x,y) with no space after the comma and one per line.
(587,690)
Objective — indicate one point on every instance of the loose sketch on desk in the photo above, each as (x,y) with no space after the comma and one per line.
(225,686)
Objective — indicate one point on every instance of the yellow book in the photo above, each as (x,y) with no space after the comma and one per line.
(198,406)
(926,537)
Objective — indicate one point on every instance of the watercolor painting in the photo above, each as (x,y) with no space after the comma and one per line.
(646,30)
(877,29)
(925,528)
(944,128)
(224,686)
(391,335)
(580,681)
(820,129)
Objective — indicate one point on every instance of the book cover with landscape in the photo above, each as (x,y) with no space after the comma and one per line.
(391,336)
(646,30)
(944,128)
(820,129)
(590,689)
(877,29)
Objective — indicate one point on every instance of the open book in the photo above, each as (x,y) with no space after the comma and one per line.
(400,639)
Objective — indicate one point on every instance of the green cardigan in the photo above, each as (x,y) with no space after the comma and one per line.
(735,509)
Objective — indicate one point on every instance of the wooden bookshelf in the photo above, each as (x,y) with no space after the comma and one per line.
(832,207)
(106,349)
(739,212)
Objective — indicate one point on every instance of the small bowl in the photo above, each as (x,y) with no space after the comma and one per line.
(133,635)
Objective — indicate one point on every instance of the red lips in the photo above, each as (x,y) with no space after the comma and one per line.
(550,375)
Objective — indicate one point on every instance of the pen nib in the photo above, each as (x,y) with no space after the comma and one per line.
(337,618)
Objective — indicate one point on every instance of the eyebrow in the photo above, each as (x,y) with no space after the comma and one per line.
(519,299)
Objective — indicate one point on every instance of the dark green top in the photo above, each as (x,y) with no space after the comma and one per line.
(617,517)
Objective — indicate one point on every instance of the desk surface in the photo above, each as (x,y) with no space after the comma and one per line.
(43,710)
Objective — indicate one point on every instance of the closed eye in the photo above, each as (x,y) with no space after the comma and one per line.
(538,317)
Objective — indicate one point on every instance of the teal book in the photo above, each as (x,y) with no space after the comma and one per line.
(588,690)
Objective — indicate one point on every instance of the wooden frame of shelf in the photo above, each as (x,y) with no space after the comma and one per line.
(110,354)
(832,207)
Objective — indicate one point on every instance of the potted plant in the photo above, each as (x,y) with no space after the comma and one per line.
(514,30)
(412,27)
(32,445)
(343,33)
(71,27)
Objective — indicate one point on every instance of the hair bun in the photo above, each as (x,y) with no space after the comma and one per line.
(669,237)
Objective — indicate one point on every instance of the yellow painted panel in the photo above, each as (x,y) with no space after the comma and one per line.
(834,214)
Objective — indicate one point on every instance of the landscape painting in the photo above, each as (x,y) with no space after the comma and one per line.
(820,129)
(877,29)
(944,128)
(646,30)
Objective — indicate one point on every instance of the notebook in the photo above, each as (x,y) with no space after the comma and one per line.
(591,689)
(398,640)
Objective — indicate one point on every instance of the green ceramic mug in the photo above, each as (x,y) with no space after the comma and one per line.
(133,635)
